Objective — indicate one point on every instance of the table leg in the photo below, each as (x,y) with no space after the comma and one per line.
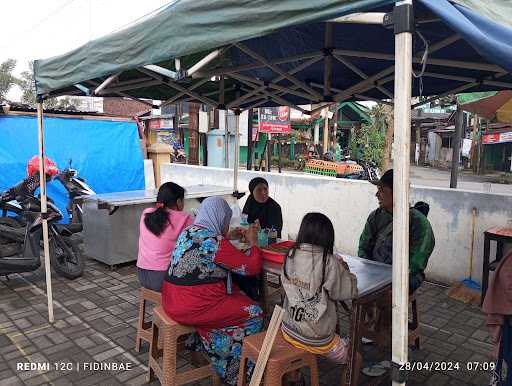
(264,293)
(351,373)
(499,250)
(485,269)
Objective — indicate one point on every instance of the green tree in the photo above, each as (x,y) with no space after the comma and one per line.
(7,79)
(28,96)
(368,140)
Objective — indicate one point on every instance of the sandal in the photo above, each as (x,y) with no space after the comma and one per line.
(377,369)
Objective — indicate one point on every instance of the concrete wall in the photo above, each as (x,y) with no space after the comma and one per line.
(348,203)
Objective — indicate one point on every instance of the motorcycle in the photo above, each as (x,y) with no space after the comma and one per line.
(369,172)
(301,162)
(76,188)
(21,239)
(178,155)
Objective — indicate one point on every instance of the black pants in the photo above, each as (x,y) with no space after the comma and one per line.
(250,285)
(149,279)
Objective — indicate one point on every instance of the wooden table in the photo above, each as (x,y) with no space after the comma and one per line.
(501,236)
(374,285)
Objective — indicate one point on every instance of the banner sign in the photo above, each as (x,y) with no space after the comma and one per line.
(274,120)
(160,123)
(488,139)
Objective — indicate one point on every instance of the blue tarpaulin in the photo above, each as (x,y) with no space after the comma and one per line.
(107,154)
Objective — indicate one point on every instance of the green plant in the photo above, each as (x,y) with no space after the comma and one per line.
(368,141)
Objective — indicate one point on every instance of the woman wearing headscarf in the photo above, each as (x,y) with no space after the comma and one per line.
(259,206)
(198,290)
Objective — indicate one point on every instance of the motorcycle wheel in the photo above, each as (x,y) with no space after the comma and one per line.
(67,264)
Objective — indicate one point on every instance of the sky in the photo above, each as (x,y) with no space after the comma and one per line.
(39,29)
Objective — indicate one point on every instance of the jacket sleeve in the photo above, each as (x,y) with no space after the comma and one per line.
(421,243)
(339,283)
(365,247)
(231,258)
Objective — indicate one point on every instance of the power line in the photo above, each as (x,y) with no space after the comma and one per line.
(133,22)
(52,13)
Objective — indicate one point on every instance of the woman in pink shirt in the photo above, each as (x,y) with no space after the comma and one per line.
(159,230)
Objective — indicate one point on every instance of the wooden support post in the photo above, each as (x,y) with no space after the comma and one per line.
(279,155)
(44,209)
(268,149)
(459,124)
(473,151)
(326,132)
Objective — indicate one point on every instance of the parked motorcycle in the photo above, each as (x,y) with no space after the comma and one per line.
(77,188)
(178,155)
(369,172)
(21,239)
(301,162)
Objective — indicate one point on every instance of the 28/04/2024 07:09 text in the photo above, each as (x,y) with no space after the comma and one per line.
(448,366)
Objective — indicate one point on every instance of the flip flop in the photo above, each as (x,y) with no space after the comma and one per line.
(376,370)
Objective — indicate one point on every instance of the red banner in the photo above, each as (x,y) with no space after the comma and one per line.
(274,120)
(497,138)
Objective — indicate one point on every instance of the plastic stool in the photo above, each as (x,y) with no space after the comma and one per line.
(284,358)
(144,326)
(165,371)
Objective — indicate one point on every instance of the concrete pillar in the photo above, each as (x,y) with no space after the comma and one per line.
(159,153)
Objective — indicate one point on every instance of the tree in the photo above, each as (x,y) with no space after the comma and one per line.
(369,138)
(28,96)
(389,119)
(7,79)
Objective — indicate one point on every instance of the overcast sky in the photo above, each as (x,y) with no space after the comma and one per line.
(38,29)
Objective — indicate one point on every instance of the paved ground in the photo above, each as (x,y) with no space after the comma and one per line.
(96,318)
(467,180)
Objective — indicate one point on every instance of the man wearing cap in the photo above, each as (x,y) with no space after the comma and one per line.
(376,241)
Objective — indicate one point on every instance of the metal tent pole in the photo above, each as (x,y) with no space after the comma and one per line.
(237,150)
(403,24)
(44,211)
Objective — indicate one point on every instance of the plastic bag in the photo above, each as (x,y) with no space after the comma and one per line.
(235,218)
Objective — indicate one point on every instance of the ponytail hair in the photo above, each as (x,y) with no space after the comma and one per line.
(168,195)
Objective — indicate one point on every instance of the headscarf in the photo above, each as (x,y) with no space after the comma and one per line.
(268,213)
(255,182)
(214,214)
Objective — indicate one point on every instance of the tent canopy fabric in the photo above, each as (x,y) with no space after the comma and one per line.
(278,49)
(493,105)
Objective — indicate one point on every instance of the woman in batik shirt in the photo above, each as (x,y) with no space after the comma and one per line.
(199,292)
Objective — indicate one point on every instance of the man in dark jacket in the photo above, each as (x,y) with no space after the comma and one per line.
(376,241)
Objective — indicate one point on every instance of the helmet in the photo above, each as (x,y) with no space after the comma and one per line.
(50,167)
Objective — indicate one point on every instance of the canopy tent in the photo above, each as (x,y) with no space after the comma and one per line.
(247,54)
(489,105)
(465,53)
